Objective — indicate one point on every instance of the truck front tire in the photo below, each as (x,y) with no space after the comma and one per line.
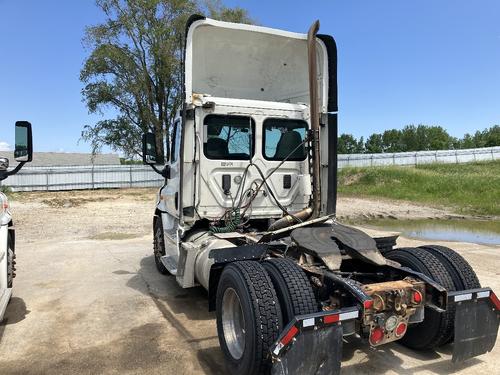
(11,261)
(159,245)
(248,317)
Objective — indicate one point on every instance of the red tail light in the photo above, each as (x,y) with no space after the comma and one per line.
(368,304)
(401,329)
(417,297)
(376,336)
(290,335)
(494,299)
(330,319)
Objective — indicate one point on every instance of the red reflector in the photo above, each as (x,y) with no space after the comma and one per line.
(401,329)
(289,335)
(376,336)
(417,297)
(495,300)
(368,304)
(329,319)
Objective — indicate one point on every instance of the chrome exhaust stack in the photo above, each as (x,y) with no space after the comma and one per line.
(314,208)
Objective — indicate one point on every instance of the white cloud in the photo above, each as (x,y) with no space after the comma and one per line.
(4,146)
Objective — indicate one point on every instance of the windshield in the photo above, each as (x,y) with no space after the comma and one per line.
(284,138)
(228,137)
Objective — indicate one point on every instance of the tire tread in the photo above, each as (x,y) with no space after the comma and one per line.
(423,261)
(266,309)
(299,288)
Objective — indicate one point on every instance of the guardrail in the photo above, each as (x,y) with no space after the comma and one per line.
(128,176)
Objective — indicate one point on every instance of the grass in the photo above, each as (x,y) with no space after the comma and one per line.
(6,190)
(472,188)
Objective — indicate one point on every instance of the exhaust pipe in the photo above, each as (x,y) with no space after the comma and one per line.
(314,208)
(314,110)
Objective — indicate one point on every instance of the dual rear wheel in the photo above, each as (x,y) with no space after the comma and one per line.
(448,269)
(254,302)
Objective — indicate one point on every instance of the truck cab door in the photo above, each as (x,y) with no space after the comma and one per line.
(169,203)
(171,191)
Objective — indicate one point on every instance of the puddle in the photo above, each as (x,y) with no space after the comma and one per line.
(473,231)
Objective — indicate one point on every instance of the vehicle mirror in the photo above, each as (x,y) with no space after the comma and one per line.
(4,164)
(23,151)
(149,155)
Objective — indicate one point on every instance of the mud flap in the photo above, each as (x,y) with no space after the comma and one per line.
(311,344)
(476,322)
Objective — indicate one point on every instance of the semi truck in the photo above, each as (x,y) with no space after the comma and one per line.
(23,154)
(248,212)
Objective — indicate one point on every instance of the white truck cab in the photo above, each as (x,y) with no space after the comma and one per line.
(245,119)
(248,212)
(23,154)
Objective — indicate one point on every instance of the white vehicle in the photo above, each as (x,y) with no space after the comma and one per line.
(248,212)
(23,154)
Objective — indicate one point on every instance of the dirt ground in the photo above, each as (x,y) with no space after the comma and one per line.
(88,300)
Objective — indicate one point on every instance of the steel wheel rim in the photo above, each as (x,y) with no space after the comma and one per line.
(233,323)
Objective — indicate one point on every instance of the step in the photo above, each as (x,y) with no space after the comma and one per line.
(170,264)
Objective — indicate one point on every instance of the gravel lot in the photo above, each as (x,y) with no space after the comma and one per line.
(88,300)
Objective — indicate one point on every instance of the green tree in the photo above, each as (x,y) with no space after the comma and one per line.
(134,68)
(348,144)
(437,138)
(391,141)
(424,138)
(374,144)
(216,9)
(492,136)
(409,140)
(487,138)
(360,146)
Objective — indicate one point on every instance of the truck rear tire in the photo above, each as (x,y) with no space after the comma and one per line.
(248,317)
(461,272)
(294,291)
(434,330)
(159,245)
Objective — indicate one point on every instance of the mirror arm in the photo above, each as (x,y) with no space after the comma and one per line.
(15,170)
(160,172)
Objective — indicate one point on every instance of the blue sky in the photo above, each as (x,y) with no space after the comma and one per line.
(400,62)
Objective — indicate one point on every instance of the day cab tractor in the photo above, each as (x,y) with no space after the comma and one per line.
(23,153)
(247,211)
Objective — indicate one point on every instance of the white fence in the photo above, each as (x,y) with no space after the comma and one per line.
(83,177)
(420,157)
(127,176)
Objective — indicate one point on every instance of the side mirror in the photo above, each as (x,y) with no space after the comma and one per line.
(23,152)
(149,155)
(4,164)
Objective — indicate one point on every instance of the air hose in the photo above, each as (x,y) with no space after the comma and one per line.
(231,224)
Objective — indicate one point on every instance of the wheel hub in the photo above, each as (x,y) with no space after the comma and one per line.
(233,323)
